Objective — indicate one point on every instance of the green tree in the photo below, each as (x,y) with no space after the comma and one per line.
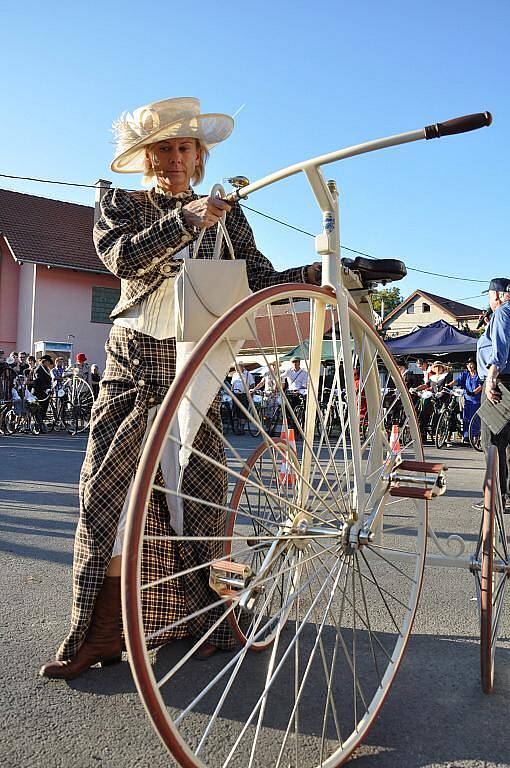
(391,296)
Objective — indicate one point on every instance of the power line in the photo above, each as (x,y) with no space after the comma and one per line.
(260,213)
(48,181)
(362,253)
(477,296)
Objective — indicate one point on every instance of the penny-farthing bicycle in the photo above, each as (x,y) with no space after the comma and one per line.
(319,563)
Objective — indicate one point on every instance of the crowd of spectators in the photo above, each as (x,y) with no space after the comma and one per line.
(29,382)
(431,383)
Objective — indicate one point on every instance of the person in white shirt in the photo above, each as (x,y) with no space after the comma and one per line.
(270,381)
(242,383)
(296,377)
(242,380)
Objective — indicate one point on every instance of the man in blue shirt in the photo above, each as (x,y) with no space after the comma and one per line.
(493,363)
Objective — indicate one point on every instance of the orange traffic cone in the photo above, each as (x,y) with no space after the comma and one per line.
(287,470)
(394,440)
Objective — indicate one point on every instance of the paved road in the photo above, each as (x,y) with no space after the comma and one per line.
(435,714)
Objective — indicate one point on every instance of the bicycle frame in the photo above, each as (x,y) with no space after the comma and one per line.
(342,281)
(327,246)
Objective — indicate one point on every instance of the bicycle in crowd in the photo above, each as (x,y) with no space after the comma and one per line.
(67,407)
(449,418)
(440,417)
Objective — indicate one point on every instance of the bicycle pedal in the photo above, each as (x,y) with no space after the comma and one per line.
(226,577)
(429,475)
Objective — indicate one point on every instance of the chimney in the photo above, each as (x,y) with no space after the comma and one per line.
(101,186)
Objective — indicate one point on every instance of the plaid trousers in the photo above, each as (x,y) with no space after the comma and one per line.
(138,372)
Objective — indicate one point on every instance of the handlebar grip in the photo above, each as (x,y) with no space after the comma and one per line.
(458,125)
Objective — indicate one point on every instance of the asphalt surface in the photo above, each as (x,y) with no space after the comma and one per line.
(435,714)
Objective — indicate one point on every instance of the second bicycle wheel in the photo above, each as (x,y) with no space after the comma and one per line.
(492,579)
(442,429)
(300,546)
(78,400)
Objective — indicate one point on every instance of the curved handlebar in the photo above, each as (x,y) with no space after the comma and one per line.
(458,125)
(311,167)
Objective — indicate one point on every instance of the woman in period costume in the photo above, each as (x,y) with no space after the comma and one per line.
(142,238)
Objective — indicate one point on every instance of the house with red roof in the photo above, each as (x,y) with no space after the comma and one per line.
(55,293)
(423,308)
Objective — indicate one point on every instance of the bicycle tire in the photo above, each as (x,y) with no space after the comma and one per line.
(380,672)
(493,557)
(253,426)
(10,422)
(442,429)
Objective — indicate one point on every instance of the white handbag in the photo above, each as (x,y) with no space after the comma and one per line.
(206,288)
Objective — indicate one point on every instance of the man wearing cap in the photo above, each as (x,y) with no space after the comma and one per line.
(296,377)
(82,366)
(493,363)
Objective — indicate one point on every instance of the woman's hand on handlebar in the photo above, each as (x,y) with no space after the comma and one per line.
(205,212)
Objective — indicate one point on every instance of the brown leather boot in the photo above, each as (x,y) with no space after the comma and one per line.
(103,641)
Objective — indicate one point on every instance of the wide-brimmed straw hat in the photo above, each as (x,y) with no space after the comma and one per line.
(436,363)
(166,119)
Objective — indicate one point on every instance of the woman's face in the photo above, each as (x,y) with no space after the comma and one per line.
(174,162)
(471,367)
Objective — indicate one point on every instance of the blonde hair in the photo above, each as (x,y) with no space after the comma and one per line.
(149,175)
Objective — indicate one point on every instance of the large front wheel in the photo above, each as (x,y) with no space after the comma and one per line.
(298,546)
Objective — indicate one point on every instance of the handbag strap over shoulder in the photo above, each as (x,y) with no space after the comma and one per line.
(221,231)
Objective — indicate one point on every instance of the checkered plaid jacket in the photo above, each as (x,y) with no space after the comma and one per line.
(136,241)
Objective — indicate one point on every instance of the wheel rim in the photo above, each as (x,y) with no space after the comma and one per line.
(492,553)
(442,430)
(353,627)
(78,402)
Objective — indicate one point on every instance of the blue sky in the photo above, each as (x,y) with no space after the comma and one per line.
(314,77)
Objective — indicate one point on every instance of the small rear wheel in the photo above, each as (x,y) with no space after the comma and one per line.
(492,554)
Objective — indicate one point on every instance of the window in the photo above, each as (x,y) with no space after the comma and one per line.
(425,307)
(103,302)
(410,309)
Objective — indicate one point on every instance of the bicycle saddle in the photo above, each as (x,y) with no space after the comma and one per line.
(376,270)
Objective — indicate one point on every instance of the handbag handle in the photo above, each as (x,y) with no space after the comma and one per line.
(221,232)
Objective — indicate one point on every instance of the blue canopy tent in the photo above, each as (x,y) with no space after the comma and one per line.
(437,339)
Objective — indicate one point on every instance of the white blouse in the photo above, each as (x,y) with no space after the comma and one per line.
(154,315)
